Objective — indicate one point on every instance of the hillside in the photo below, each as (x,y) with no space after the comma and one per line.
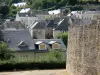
(54,4)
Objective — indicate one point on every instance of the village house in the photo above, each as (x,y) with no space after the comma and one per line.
(26,48)
(26,18)
(48,29)
(92,15)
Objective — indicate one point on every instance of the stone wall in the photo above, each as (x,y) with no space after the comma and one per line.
(83,55)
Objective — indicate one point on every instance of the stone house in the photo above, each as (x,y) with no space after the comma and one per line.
(37,30)
(26,18)
(92,15)
(26,48)
(48,29)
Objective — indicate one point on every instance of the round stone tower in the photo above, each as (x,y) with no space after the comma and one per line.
(83,53)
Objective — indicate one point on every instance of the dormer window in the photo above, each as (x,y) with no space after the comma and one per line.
(55,45)
(41,45)
(22,44)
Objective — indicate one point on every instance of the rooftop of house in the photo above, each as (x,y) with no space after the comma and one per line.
(54,12)
(39,12)
(26,15)
(26,10)
(63,24)
(50,41)
(19,4)
(15,38)
(20,40)
(13,24)
(38,25)
(83,12)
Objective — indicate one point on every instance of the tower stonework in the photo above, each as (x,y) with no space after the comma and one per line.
(83,53)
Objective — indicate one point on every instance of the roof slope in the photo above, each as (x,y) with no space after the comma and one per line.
(47,41)
(14,24)
(26,15)
(63,24)
(39,25)
(14,37)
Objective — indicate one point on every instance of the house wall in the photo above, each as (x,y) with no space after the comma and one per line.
(55,33)
(49,33)
(38,33)
(17,18)
(32,56)
(28,56)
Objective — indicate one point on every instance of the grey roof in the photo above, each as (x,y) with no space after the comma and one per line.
(38,25)
(40,12)
(47,41)
(63,24)
(26,15)
(14,37)
(14,24)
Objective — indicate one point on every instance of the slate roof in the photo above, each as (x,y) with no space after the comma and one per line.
(26,15)
(40,12)
(14,24)
(47,41)
(63,24)
(14,37)
(38,25)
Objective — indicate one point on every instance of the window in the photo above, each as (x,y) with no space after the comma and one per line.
(56,46)
(42,46)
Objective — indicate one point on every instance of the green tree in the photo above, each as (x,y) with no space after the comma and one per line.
(5,52)
(72,2)
(63,36)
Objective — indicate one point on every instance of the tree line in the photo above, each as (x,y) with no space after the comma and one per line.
(54,4)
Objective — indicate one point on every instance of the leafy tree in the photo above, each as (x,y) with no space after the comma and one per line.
(64,37)
(4,11)
(72,2)
(5,52)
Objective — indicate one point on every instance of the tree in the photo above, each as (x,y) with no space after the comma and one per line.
(72,2)
(63,36)
(5,52)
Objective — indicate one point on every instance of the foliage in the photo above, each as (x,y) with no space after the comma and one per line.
(13,11)
(5,52)
(53,56)
(46,4)
(63,36)
(51,60)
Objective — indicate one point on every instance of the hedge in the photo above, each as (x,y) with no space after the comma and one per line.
(31,65)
